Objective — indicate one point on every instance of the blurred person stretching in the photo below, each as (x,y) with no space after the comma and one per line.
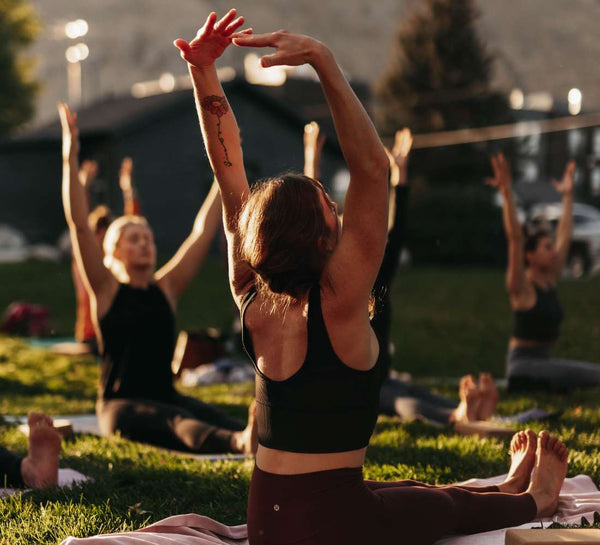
(535,264)
(133,312)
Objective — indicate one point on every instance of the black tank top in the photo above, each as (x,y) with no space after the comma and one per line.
(139,338)
(542,321)
(325,406)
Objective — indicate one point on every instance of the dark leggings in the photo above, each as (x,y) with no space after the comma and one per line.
(533,368)
(179,423)
(10,469)
(339,507)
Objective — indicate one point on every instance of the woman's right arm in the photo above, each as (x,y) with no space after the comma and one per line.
(221,133)
(502,180)
(86,250)
(354,264)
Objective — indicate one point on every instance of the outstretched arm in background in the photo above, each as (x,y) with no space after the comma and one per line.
(564,233)
(502,180)
(220,132)
(176,275)
(313,149)
(86,249)
(398,208)
(356,259)
(131,206)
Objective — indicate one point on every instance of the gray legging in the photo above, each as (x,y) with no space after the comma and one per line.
(410,402)
(533,367)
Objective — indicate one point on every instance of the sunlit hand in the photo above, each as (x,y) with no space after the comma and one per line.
(313,146)
(292,49)
(565,186)
(398,156)
(313,139)
(70,132)
(211,40)
(88,172)
(125,174)
(502,179)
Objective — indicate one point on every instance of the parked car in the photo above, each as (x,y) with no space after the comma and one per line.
(584,254)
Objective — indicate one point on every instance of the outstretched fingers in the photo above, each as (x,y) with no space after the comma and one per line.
(255,40)
(225,21)
(209,25)
(233,26)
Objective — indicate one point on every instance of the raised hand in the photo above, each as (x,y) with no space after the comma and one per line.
(70,132)
(125,174)
(292,49)
(565,186)
(502,179)
(211,40)
(398,156)
(88,172)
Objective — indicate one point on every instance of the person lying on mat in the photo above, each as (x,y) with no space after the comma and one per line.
(303,285)
(133,311)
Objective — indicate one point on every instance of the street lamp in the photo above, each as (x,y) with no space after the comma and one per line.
(575,97)
(75,54)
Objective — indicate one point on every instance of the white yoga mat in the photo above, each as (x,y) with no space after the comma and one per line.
(66,477)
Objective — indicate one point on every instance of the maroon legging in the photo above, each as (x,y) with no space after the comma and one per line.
(340,507)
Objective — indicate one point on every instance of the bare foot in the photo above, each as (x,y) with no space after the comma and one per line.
(470,398)
(489,397)
(40,468)
(549,473)
(522,451)
(246,441)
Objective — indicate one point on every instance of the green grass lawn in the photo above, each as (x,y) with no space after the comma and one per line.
(447,322)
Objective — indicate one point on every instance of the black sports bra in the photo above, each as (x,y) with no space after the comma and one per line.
(326,406)
(542,321)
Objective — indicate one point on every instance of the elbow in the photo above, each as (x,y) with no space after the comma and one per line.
(377,165)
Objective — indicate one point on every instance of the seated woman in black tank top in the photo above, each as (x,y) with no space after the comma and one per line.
(133,314)
(535,263)
(303,285)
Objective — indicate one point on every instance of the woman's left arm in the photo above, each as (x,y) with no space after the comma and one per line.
(564,232)
(175,276)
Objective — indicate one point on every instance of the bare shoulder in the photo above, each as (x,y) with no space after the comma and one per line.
(525,298)
(165,287)
(349,329)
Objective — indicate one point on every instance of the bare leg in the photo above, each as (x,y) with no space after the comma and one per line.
(549,473)
(40,468)
(489,397)
(522,451)
(470,400)
(246,441)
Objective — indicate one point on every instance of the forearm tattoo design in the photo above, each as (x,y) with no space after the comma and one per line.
(218,106)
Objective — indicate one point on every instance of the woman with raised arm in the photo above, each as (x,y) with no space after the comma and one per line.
(399,397)
(535,263)
(303,285)
(133,310)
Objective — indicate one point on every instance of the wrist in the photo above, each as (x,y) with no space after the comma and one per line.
(199,73)
(320,56)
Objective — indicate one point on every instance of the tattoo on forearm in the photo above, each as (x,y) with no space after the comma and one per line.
(218,106)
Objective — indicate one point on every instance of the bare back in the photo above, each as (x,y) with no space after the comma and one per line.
(279,341)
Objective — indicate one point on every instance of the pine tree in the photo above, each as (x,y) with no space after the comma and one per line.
(18,27)
(440,76)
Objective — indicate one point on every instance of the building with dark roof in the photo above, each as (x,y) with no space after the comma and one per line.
(161,134)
